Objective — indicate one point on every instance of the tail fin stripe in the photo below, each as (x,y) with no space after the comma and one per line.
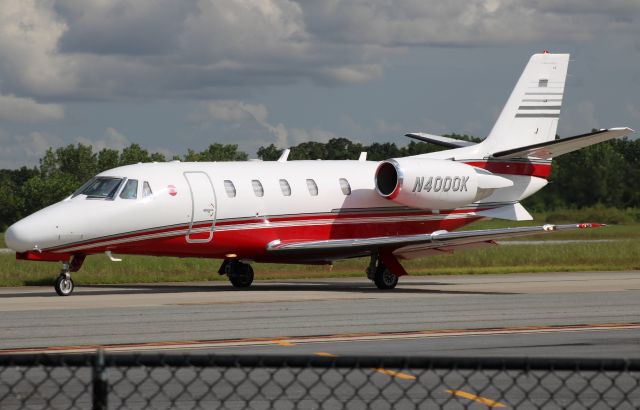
(542,100)
(537,115)
(539,107)
(523,124)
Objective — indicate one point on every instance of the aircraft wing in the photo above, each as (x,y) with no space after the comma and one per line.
(409,246)
(554,148)
(438,140)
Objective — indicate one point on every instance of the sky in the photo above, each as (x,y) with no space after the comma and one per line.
(172,75)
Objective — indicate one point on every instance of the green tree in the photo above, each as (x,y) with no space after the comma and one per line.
(630,150)
(39,191)
(158,157)
(217,152)
(342,148)
(589,176)
(269,153)
(11,200)
(379,152)
(133,154)
(78,161)
(308,150)
(417,148)
(108,159)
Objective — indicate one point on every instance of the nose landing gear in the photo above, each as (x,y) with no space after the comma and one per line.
(64,284)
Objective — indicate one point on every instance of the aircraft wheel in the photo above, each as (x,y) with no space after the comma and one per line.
(241,275)
(384,278)
(64,285)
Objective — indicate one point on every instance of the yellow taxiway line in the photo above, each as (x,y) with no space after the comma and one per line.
(478,399)
(290,341)
(399,375)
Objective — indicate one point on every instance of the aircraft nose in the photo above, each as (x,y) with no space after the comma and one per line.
(16,237)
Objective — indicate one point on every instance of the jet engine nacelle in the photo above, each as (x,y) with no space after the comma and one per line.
(435,184)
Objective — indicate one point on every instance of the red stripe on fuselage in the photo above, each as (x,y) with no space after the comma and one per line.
(333,216)
(539,170)
(250,243)
(250,240)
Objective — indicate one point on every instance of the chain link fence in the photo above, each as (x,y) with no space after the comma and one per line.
(198,381)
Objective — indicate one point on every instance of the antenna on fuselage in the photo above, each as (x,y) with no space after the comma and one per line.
(363,156)
(284,155)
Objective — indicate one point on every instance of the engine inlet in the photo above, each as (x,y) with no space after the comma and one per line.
(386,178)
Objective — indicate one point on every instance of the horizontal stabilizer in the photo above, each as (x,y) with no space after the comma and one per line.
(512,212)
(439,140)
(554,148)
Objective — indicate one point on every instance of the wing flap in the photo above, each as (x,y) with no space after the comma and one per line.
(418,251)
(555,148)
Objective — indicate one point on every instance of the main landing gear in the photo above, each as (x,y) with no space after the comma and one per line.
(384,271)
(240,273)
(64,284)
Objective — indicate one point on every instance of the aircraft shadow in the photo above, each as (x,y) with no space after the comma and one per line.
(216,287)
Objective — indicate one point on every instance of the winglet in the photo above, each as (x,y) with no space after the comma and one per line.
(591,225)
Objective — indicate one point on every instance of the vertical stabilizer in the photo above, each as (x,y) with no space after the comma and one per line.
(532,111)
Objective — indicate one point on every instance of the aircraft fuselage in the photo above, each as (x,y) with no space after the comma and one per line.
(226,208)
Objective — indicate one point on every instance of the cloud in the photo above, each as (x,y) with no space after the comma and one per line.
(26,150)
(203,49)
(238,113)
(21,150)
(250,125)
(579,117)
(634,110)
(31,64)
(106,27)
(27,110)
(463,23)
(113,139)
(235,111)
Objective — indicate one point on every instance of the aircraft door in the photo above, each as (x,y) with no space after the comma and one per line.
(203,207)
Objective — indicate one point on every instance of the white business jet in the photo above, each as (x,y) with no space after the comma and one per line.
(317,212)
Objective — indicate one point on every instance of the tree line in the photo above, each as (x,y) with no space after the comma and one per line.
(606,173)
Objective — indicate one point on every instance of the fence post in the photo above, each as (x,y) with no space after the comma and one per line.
(100,382)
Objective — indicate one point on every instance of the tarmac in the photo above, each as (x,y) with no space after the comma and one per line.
(548,314)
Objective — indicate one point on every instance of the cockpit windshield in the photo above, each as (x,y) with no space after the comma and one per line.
(100,188)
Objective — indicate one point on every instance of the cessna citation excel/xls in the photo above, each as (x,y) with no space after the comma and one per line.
(317,212)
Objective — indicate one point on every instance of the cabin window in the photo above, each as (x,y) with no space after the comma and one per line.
(543,83)
(130,190)
(100,188)
(285,187)
(146,190)
(230,188)
(257,188)
(344,185)
(313,187)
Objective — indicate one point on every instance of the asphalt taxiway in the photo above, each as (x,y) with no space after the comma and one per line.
(587,313)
